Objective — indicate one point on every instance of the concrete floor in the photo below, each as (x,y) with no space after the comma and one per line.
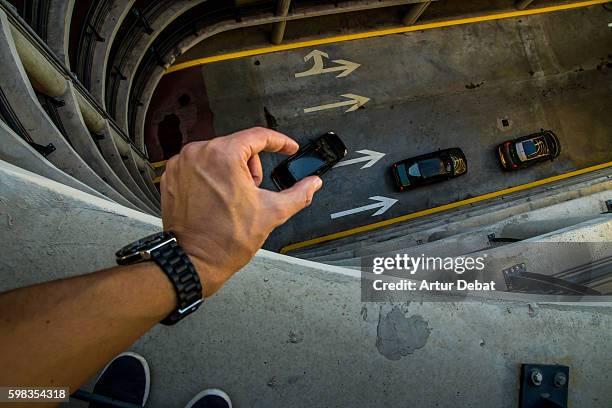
(428,90)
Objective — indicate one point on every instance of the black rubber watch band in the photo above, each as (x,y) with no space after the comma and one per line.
(184,277)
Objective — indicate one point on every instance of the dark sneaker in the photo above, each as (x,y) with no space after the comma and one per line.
(211,398)
(126,378)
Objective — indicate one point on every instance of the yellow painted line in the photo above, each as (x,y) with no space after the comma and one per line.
(159,164)
(435,210)
(379,33)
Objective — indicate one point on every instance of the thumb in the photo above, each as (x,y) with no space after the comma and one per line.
(296,198)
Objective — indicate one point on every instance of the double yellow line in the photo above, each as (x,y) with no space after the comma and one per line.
(379,33)
(429,211)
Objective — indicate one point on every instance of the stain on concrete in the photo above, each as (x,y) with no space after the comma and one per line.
(271,121)
(398,335)
(472,85)
(532,309)
(296,336)
(273,382)
(364,313)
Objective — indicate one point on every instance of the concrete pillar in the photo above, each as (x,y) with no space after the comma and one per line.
(278,29)
(523,4)
(415,12)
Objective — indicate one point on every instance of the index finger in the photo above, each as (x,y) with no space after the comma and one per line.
(260,139)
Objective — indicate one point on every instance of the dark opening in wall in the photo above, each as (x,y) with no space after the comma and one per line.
(170,136)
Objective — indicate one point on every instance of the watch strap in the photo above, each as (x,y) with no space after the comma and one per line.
(178,267)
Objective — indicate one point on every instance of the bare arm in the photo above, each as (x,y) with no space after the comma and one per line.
(61,333)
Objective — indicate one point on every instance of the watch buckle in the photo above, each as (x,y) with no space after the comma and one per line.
(146,254)
(193,306)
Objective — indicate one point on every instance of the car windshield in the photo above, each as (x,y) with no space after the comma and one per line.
(414,171)
(401,172)
(305,165)
(431,167)
(311,161)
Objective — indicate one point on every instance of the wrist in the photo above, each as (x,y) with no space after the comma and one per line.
(213,264)
(207,274)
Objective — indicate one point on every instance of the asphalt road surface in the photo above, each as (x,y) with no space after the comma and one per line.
(471,86)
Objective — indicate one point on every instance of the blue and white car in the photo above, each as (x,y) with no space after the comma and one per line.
(528,150)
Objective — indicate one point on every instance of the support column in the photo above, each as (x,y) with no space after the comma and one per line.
(415,12)
(523,4)
(278,29)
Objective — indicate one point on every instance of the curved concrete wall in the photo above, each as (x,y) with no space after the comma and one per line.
(58,28)
(85,146)
(16,151)
(116,14)
(19,93)
(135,54)
(30,64)
(290,333)
(117,161)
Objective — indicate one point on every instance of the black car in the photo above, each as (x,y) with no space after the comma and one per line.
(528,150)
(315,158)
(429,168)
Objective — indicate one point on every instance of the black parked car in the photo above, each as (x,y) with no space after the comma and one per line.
(528,150)
(429,168)
(315,158)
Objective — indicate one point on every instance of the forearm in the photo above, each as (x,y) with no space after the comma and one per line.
(61,333)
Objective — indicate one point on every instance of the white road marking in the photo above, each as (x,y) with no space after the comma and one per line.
(371,157)
(354,100)
(317,56)
(383,204)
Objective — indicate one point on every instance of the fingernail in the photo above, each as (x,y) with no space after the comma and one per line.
(318,183)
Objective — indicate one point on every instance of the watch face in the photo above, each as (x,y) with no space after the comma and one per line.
(132,253)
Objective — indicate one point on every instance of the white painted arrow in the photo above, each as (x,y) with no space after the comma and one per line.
(383,205)
(371,157)
(354,100)
(317,56)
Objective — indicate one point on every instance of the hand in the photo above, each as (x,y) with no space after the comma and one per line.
(211,200)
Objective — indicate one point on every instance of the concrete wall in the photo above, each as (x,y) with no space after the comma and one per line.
(291,333)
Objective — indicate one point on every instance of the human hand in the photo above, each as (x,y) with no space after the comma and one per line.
(211,200)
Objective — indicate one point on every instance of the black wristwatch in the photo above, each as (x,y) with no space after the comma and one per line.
(163,249)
